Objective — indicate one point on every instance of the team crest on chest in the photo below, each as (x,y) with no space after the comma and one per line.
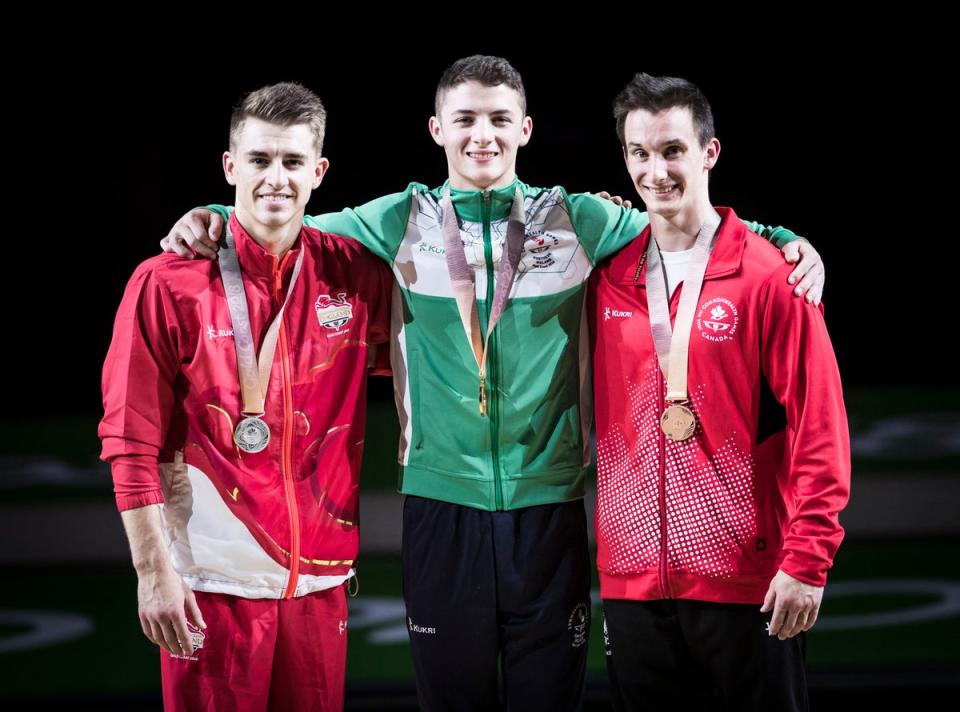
(538,248)
(718,319)
(333,312)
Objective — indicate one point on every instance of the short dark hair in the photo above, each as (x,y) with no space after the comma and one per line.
(656,94)
(488,71)
(286,104)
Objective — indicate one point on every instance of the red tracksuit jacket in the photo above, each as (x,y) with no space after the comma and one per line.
(273,524)
(761,482)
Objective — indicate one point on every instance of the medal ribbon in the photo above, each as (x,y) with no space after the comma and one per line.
(254,372)
(673,344)
(464,287)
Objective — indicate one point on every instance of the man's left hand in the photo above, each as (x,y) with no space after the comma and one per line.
(795,605)
(808,276)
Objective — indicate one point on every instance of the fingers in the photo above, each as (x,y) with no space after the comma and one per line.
(216,226)
(173,243)
(147,629)
(799,273)
(790,627)
(169,631)
(815,295)
(811,279)
(812,618)
(615,199)
(163,636)
(791,253)
(777,619)
(800,624)
(769,599)
(184,642)
(809,275)
(195,234)
(193,610)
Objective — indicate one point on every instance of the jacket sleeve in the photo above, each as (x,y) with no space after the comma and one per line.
(378,285)
(602,226)
(605,228)
(799,364)
(378,225)
(776,236)
(138,389)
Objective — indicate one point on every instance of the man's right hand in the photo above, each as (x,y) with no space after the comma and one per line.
(196,233)
(164,601)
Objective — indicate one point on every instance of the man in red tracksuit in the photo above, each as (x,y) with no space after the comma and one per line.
(722,444)
(234,428)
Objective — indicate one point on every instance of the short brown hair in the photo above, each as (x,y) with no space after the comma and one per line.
(286,104)
(656,94)
(484,69)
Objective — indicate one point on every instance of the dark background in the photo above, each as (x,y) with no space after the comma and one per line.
(125,137)
(115,127)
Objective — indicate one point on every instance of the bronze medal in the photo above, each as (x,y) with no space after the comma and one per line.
(678,422)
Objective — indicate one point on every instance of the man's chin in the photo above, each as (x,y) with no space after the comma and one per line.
(275,218)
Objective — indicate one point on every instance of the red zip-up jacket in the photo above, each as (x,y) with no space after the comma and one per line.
(761,482)
(281,522)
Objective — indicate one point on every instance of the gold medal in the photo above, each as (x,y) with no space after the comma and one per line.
(678,422)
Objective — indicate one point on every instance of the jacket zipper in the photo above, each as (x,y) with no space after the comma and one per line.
(286,462)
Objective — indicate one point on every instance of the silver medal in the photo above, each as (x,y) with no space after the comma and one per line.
(251,434)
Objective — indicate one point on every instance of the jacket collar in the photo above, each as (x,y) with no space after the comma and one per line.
(469,204)
(725,258)
(254,260)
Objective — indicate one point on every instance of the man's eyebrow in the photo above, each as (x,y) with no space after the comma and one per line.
(256,153)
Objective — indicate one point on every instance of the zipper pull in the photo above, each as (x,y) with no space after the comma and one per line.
(483,395)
